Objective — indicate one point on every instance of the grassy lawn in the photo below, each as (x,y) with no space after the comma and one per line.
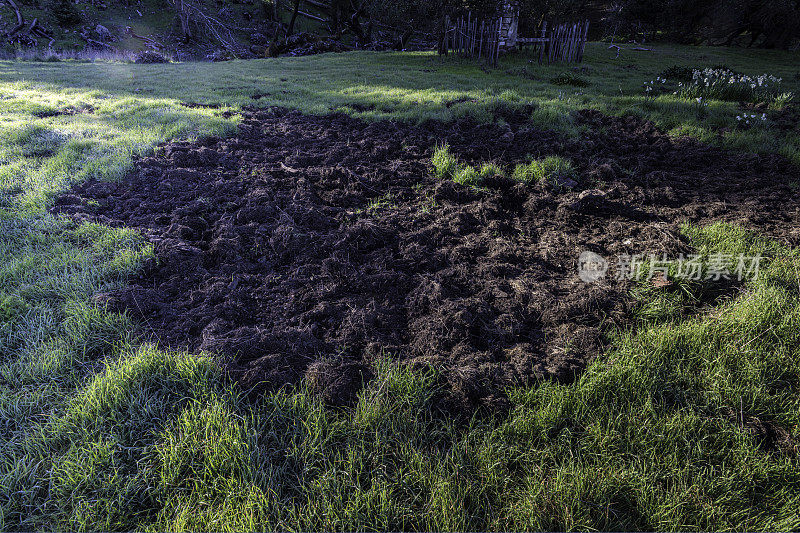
(99,433)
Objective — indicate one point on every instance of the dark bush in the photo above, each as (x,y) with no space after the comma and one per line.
(677,73)
(569,79)
(149,57)
(65,13)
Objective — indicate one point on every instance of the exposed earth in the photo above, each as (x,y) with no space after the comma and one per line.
(312,245)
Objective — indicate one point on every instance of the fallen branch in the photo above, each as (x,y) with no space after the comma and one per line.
(101,44)
(152,43)
(312,17)
(634,49)
(22,29)
(319,5)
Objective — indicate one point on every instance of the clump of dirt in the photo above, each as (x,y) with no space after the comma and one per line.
(69,110)
(311,245)
(197,105)
(768,436)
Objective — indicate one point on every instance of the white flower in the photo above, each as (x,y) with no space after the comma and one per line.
(738,117)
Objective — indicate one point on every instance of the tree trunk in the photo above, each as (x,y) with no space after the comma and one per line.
(185,18)
(296,8)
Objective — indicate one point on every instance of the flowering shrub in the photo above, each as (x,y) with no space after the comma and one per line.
(724,84)
(700,107)
(651,88)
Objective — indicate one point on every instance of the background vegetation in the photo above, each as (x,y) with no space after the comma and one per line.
(221,29)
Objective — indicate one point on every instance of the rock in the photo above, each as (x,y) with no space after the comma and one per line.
(592,194)
(103,33)
(593,199)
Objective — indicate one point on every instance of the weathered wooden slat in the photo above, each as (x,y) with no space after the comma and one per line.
(572,35)
(583,40)
(472,37)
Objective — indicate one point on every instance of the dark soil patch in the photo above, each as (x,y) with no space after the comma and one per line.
(69,110)
(769,436)
(361,108)
(788,119)
(197,105)
(462,100)
(311,245)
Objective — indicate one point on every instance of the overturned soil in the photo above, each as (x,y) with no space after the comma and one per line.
(312,245)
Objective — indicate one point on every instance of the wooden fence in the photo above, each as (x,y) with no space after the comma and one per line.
(482,39)
(472,38)
(562,43)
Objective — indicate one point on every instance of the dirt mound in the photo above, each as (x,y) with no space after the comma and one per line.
(311,245)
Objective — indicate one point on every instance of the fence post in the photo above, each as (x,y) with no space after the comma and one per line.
(572,34)
(542,43)
(497,48)
(584,37)
(480,42)
(474,38)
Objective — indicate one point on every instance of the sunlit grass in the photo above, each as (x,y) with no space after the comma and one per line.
(100,433)
(419,85)
(551,170)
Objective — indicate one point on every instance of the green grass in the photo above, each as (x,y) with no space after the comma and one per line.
(418,86)
(100,433)
(446,166)
(552,170)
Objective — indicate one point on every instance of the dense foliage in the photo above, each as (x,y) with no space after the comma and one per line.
(767,23)
(762,23)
